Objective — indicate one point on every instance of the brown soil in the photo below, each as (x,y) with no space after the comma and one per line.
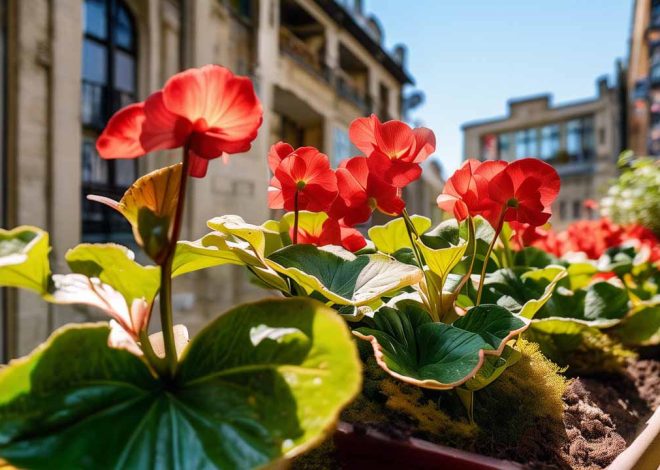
(601,416)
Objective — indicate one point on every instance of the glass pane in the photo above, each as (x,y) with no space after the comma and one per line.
(574,139)
(124,34)
(124,72)
(96,20)
(549,142)
(92,106)
(532,143)
(489,147)
(125,172)
(521,144)
(588,139)
(95,62)
(95,169)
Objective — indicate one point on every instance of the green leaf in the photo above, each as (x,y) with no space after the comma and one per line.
(492,368)
(24,259)
(115,265)
(442,260)
(411,347)
(149,205)
(342,277)
(263,382)
(641,327)
(532,257)
(393,236)
(522,291)
(235,226)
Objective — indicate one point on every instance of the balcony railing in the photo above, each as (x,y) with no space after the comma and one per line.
(348,89)
(299,51)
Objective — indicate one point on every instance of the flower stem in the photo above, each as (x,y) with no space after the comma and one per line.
(473,238)
(295,218)
(166,273)
(482,278)
(413,235)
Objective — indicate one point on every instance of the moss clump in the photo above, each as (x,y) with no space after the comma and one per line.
(527,394)
(587,353)
(516,416)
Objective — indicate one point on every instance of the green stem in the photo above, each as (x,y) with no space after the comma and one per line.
(472,237)
(156,362)
(295,218)
(507,250)
(482,278)
(428,276)
(166,274)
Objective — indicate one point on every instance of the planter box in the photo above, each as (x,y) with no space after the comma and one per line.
(360,448)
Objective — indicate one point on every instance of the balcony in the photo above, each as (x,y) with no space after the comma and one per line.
(303,54)
(348,89)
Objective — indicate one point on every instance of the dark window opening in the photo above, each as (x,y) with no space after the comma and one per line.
(109,82)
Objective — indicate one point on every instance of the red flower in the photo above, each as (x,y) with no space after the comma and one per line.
(363,191)
(303,181)
(394,149)
(331,233)
(209,110)
(466,191)
(525,191)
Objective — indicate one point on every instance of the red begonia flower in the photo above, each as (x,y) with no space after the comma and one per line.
(209,110)
(394,149)
(303,181)
(525,191)
(466,191)
(363,191)
(277,153)
(332,233)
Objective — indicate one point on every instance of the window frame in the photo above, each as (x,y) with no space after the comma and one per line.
(109,228)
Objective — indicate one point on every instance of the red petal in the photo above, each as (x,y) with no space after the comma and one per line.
(519,170)
(351,239)
(227,103)
(162,129)
(277,153)
(424,143)
(198,165)
(362,133)
(121,137)
(395,139)
(275,198)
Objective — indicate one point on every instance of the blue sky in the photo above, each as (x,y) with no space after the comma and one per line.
(471,56)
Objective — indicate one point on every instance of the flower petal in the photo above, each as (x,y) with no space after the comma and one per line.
(121,136)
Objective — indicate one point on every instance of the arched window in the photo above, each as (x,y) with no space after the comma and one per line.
(109,61)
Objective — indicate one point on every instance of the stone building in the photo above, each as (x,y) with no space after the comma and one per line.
(68,64)
(643,80)
(582,140)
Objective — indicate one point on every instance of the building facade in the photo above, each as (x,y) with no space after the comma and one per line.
(643,81)
(581,140)
(67,65)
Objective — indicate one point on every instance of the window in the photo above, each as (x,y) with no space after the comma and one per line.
(526,143)
(562,210)
(550,142)
(655,13)
(341,146)
(505,146)
(108,83)
(577,209)
(580,141)
(655,63)
(489,147)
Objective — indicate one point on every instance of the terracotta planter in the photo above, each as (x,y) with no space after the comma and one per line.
(644,452)
(360,448)
(366,448)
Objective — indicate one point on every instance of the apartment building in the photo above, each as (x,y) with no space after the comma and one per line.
(643,97)
(67,65)
(581,140)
